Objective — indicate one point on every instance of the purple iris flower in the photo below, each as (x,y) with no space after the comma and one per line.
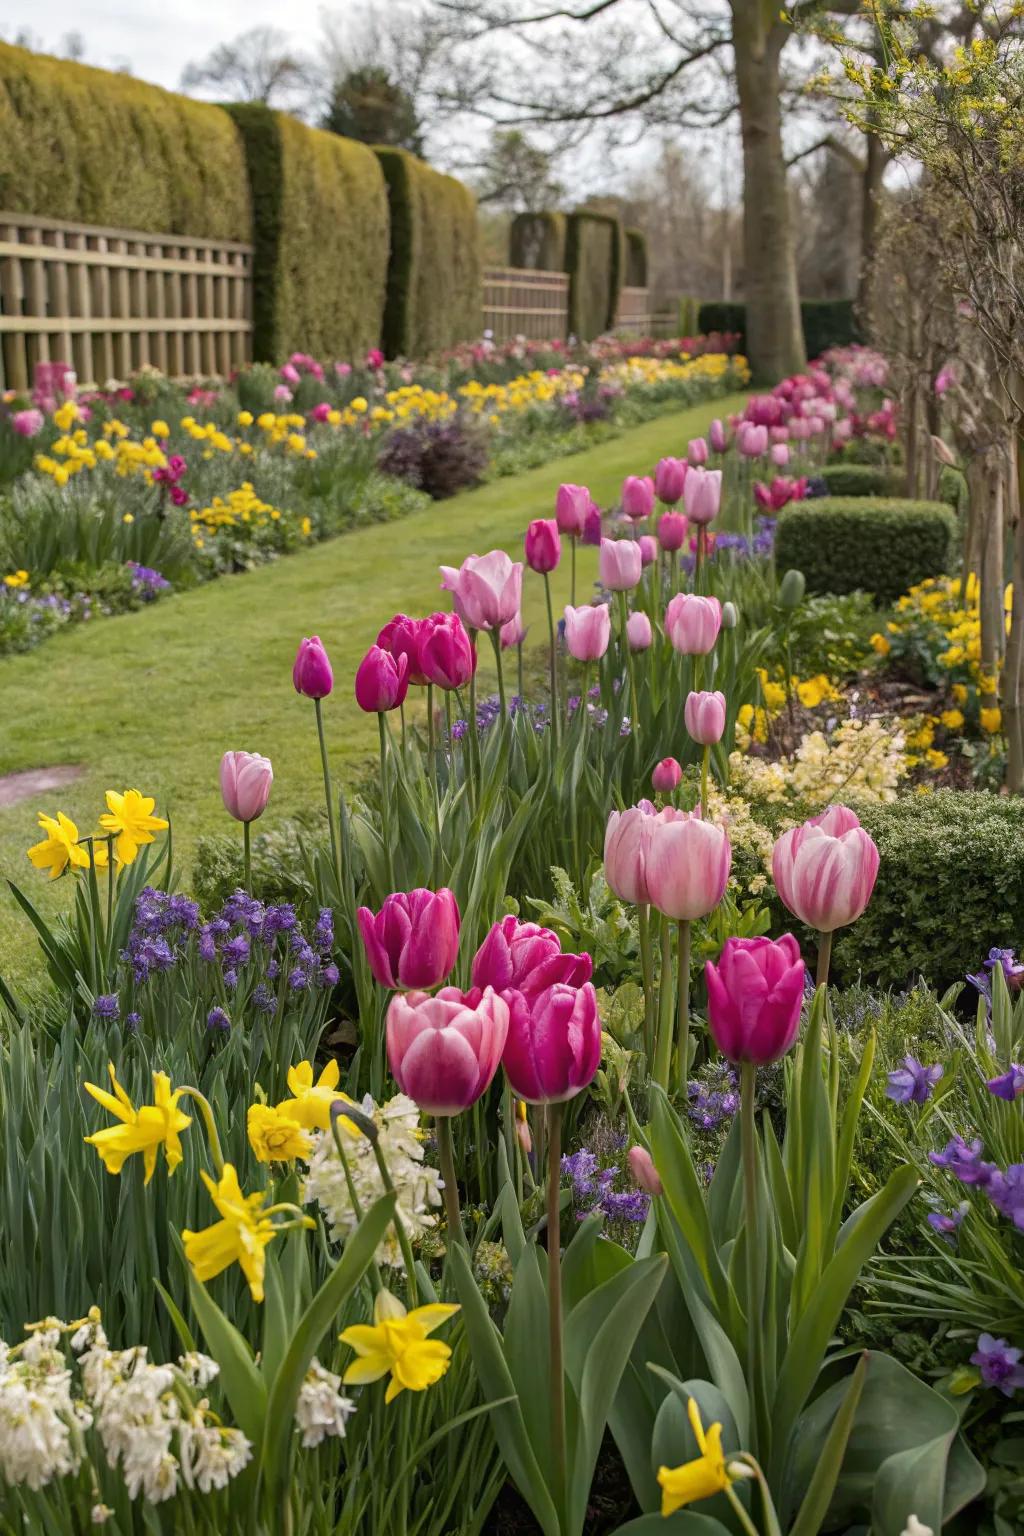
(1006,1191)
(965,1162)
(947,1223)
(912,1083)
(999,1365)
(1009,1085)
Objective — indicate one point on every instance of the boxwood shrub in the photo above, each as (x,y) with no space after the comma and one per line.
(636,259)
(827,322)
(863,479)
(873,544)
(595,260)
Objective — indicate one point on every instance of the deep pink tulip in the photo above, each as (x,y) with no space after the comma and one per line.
(245,780)
(718,436)
(513,633)
(571,507)
(704,714)
(526,958)
(553,1047)
(592,525)
(587,631)
(488,589)
(648,549)
(312,673)
(28,423)
(669,479)
(413,941)
(702,496)
(687,865)
(692,623)
(639,632)
(751,440)
(543,545)
(672,531)
(403,636)
(627,840)
(754,997)
(643,1171)
(381,682)
(638,496)
(447,655)
(444,1050)
(825,870)
(667,776)
(697,451)
(620,564)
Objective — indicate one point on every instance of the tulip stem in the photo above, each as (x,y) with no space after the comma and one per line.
(555,722)
(663,1052)
(643,913)
(630,668)
(247,856)
(519,671)
(572,545)
(472,734)
(329,792)
(683,1005)
(555,1304)
(385,798)
(673,574)
(446,1157)
(432,758)
(824,958)
(704,783)
(496,642)
(751,1236)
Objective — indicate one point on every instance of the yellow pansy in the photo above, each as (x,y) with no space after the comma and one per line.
(397,1343)
(310,1104)
(240,1237)
(160,429)
(959,692)
(701,1478)
(129,817)
(60,848)
(952,719)
(991,720)
(274,1136)
(936,759)
(16,579)
(880,644)
(143,1130)
(244,418)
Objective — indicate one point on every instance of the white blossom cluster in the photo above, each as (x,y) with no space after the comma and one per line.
(41,1423)
(321,1410)
(417,1185)
(860,760)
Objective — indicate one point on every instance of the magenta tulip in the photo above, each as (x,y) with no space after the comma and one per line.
(667,776)
(444,1050)
(571,507)
(488,589)
(697,451)
(638,497)
(403,636)
(587,631)
(620,564)
(447,656)
(642,1170)
(381,682)
(669,479)
(825,870)
(672,531)
(526,958)
(28,423)
(704,714)
(312,673)
(553,1047)
(687,864)
(627,841)
(412,943)
(639,632)
(754,997)
(245,780)
(692,623)
(592,525)
(543,545)
(703,495)
(718,436)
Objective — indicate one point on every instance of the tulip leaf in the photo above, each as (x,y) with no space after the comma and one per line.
(526,1326)
(686,1199)
(685,1522)
(811,1515)
(848,1135)
(714,1339)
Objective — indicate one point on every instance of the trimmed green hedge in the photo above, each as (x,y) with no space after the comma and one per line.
(595,260)
(689,317)
(92,147)
(950,886)
(863,480)
(433,288)
(320,237)
(537,241)
(846,544)
(826,322)
(636,258)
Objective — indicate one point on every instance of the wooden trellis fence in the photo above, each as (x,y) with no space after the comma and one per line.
(521,302)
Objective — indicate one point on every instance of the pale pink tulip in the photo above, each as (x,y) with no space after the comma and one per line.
(825,870)
(687,864)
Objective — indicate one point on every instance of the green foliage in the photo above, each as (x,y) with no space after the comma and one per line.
(85,145)
(689,316)
(862,479)
(433,282)
(832,634)
(827,322)
(951,883)
(594,260)
(367,105)
(320,232)
(883,546)
(722,316)
(538,241)
(636,259)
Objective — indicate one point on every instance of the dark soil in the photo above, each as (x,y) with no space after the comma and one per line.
(611,1502)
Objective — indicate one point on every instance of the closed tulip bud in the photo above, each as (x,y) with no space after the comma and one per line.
(312,673)
(692,623)
(638,496)
(543,545)
(592,525)
(672,531)
(825,870)
(553,1046)
(571,507)
(245,780)
(381,682)
(800,429)
(697,451)
(488,589)
(730,617)
(718,437)
(523,1136)
(778,435)
(687,865)
(648,549)
(626,841)
(780,455)
(443,1051)
(702,496)
(752,440)
(643,1172)
(704,714)
(412,943)
(402,637)
(588,630)
(620,564)
(667,776)
(754,997)
(791,589)
(639,632)
(669,478)
(447,655)
(513,633)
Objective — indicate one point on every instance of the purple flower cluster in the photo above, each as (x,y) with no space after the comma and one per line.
(1010,1085)
(912,1083)
(592,1190)
(714,1098)
(147,583)
(998,1364)
(947,1223)
(162,923)
(966,1163)
(1007,959)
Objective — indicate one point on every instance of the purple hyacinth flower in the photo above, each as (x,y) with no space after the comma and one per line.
(912,1083)
(217,1018)
(999,1364)
(1009,1086)
(106,1007)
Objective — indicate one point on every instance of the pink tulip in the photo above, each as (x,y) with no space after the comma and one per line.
(444,1050)
(312,673)
(943,380)
(381,682)
(780,455)
(672,531)
(488,589)
(751,440)
(639,633)
(825,870)
(245,780)
(627,842)
(403,636)
(290,375)
(637,496)
(413,941)
(697,451)
(643,1171)
(553,1047)
(816,425)
(620,564)
(592,527)
(704,714)
(648,549)
(754,997)
(687,864)
(718,436)
(522,960)
(513,633)
(777,435)
(669,479)
(28,423)
(692,623)
(800,429)
(588,630)
(571,507)
(446,654)
(543,545)
(667,776)
(702,496)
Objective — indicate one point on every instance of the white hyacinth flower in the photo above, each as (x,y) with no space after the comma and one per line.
(916,1527)
(321,1410)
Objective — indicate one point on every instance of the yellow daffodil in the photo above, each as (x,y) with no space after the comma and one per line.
(240,1237)
(274,1136)
(129,817)
(16,579)
(991,720)
(143,1130)
(397,1343)
(699,1479)
(160,429)
(60,848)
(310,1104)
(880,645)
(952,719)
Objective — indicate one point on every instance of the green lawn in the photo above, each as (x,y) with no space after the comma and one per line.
(152,699)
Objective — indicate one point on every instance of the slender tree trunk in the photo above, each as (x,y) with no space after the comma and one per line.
(874,169)
(1013,671)
(990,597)
(775,342)
(912,434)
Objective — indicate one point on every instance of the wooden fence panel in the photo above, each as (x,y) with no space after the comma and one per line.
(633,317)
(520,302)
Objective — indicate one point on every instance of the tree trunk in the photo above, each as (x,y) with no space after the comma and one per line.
(875,161)
(990,597)
(1013,671)
(775,341)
